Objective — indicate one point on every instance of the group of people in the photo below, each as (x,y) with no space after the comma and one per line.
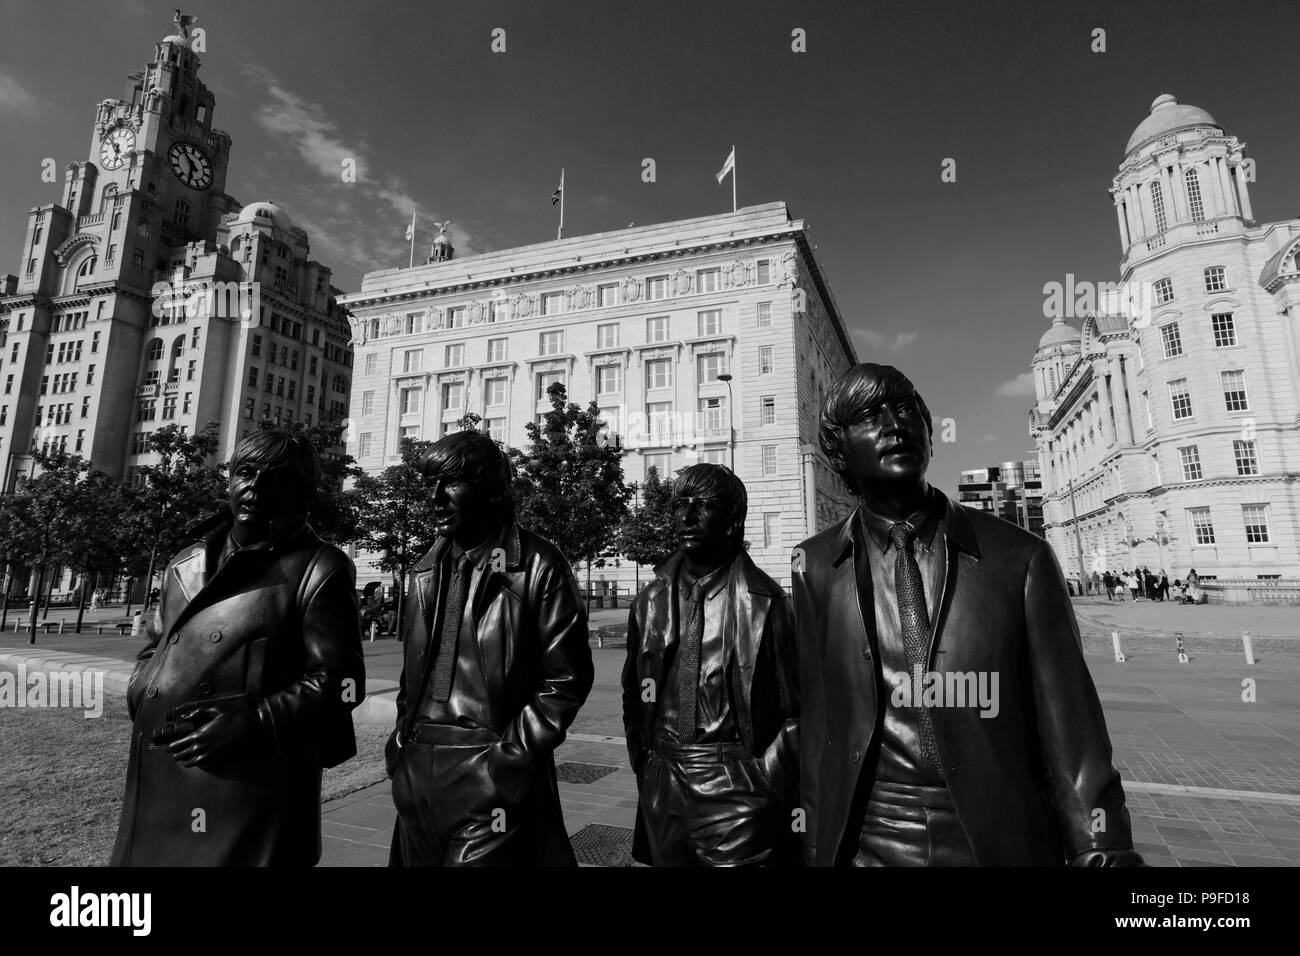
(1153,586)
(922,700)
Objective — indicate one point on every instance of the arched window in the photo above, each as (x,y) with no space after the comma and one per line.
(1158,205)
(1215,279)
(155,350)
(181,217)
(178,349)
(1194,201)
(88,266)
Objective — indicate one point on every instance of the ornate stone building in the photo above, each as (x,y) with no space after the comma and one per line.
(644,320)
(1167,424)
(149,297)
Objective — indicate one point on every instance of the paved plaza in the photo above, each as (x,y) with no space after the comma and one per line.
(1209,751)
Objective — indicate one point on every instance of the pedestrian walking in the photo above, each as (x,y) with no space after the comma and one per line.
(1108,581)
(1132,582)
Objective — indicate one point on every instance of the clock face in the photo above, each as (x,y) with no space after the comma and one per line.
(190,165)
(113,150)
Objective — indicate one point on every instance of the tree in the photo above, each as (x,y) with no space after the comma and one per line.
(45,518)
(102,542)
(569,484)
(170,496)
(334,513)
(646,536)
(395,516)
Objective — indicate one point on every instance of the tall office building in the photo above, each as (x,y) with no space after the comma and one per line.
(1012,490)
(1171,416)
(149,297)
(648,322)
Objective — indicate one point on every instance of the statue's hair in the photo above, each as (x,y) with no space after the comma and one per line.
(851,396)
(473,457)
(707,480)
(275,448)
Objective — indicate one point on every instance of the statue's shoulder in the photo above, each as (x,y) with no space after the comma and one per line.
(825,545)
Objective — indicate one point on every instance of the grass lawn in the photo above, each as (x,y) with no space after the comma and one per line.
(63,777)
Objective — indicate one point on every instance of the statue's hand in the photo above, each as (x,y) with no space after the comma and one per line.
(199,732)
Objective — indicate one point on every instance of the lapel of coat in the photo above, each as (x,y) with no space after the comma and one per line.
(960,538)
(750,602)
(660,606)
(855,575)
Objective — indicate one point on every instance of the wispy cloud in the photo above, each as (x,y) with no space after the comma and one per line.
(365,217)
(15,97)
(988,438)
(1020,386)
(868,340)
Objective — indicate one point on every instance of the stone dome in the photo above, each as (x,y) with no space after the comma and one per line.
(1168,115)
(265,214)
(1059,334)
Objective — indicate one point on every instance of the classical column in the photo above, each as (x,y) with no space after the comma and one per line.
(1226,200)
(1120,397)
(1177,198)
(1103,404)
(1243,193)
(1123,226)
(1138,207)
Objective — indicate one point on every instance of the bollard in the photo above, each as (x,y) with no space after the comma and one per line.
(61,625)
(1250,648)
(137,624)
(1119,655)
(1182,652)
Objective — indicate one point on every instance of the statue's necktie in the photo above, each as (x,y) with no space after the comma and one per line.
(688,667)
(445,665)
(914,619)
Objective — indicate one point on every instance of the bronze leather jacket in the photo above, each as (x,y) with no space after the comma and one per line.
(1033,785)
(278,625)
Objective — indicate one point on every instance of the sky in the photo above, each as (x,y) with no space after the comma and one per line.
(942,279)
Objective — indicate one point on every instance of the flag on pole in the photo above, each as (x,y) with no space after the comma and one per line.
(555,196)
(410,229)
(728,167)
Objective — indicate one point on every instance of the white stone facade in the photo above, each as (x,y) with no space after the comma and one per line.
(641,320)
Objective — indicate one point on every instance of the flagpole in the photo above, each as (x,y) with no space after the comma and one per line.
(411,265)
(560,233)
(733,177)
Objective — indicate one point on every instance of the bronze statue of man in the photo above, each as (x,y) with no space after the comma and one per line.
(949,718)
(245,690)
(710,693)
(496,665)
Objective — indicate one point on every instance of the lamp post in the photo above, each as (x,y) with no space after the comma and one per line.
(731,429)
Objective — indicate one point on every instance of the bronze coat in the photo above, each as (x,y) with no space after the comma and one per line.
(531,631)
(278,624)
(1027,783)
(762,673)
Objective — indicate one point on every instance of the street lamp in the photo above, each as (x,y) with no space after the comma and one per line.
(731,430)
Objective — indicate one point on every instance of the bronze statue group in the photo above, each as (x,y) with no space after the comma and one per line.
(840,728)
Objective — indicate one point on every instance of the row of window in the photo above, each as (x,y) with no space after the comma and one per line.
(277,415)
(1235,399)
(288,359)
(59,443)
(1214,278)
(1244,456)
(64,382)
(1195,202)
(1254,518)
(147,408)
(1222,327)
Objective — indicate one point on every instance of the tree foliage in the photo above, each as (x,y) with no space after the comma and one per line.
(569,484)
(646,536)
(395,511)
(335,512)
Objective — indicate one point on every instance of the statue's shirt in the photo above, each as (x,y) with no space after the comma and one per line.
(714,723)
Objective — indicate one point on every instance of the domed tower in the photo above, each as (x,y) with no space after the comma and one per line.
(1182,177)
(1058,350)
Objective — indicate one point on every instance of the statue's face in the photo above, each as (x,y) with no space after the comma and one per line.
(462,509)
(703,527)
(259,494)
(889,444)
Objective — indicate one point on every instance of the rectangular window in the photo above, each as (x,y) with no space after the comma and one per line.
(656,329)
(661,462)
(372,364)
(551,343)
(413,360)
(711,322)
(1190,456)
(1243,452)
(709,367)
(1256,521)
(367,402)
(409,400)
(607,295)
(190,369)
(1234,391)
(771,530)
(1202,526)
(769,461)
(266,411)
(498,310)
(767,410)
(552,303)
(713,456)
(85,406)
(293,387)
(612,416)
(13,356)
(139,443)
(257,346)
(311,394)
(1164,291)
(248,408)
(659,422)
(494,392)
(496,350)
(659,373)
(607,336)
(545,380)
(185,406)
(656,287)
(147,410)
(496,429)
(1172,341)
(609,379)
(279,386)
(1225,330)
(252,375)
(708,280)
(9,384)
(713,414)
(363,445)
(414,323)
(762,272)
(456,317)
(453,396)
(409,431)
(764,315)
(1180,399)
(765,360)
(169,407)
(1215,280)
